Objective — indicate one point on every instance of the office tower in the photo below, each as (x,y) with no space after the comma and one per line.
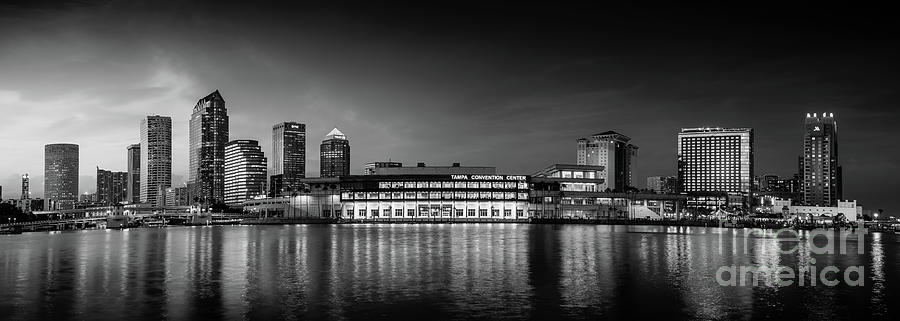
(61,174)
(334,154)
(26,194)
(111,187)
(612,151)
(661,184)
(819,168)
(208,136)
(156,159)
(369,168)
(134,173)
(245,171)
(178,196)
(715,160)
(288,157)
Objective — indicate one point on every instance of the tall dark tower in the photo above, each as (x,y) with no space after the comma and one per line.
(820,172)
(61,174)
(288,157)
(134,174)
(335,155)
(208,136)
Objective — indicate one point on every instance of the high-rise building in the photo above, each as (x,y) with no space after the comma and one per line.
(288,156)
(369,168)
(134,173)
(820,171)
(612,151)
(61,174)
(245,171)
(26,194)
(208,136)
(716,160)
(156,159)
(334,155)
(662,184)
(178,196)
(111,187)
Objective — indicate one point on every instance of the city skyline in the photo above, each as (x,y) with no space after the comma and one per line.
(395,113)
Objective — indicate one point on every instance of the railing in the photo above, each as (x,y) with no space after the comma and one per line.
(52,222)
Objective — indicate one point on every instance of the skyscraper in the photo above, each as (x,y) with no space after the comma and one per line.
(156,159)
(208,136)
(111,187)
(288,156)
(334,155)
(612,151)
(716,160)
(820,171)
(245,171)
(61,174)
(134,173)
(26,194)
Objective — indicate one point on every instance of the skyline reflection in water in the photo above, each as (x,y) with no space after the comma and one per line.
(433,271)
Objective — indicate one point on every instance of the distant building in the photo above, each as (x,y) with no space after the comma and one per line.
(820,171)
(61,174)
(134,173)
(29,205)
(26,194)
(156,159)
(369,168)
(208,136)
(612,151)
(716,160)
(848,208)
(334,155)
(288,157)
(662,184)
(422,169)
(111,187)
(245,171)
(779,187)
(178,196)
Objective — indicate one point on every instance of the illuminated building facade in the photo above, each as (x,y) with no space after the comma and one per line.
(716,160)
(820,171)
(612,151)
(61,175)
(156,159)
(457,197)
(245,171)
(208,136)
(334,155)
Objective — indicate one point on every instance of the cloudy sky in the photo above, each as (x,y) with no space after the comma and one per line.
(505,86)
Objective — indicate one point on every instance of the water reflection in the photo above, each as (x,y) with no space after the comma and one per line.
(459,271)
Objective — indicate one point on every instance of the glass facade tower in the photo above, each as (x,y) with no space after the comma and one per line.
(208,136)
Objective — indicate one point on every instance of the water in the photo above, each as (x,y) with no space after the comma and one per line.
(423,271)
